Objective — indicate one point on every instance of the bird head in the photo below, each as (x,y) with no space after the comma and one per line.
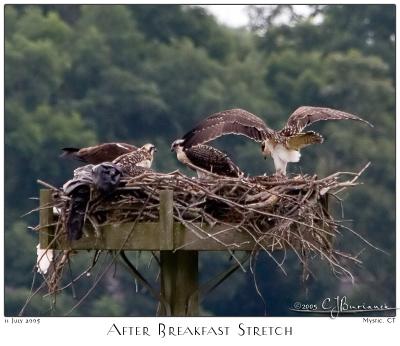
(151,148)
(176,144)
(265,150)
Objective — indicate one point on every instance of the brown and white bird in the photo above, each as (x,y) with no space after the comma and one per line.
(142,157)
(206,158)
(96,154)
(283,145)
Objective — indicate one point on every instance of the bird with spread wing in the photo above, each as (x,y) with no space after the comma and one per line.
(283,145)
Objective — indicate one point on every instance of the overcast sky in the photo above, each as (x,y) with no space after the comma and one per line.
(232,15)
(236,15)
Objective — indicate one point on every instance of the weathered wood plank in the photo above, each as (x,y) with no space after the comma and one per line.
(213,239)
(127,236)
(166,220)
(146,236)
(46,218)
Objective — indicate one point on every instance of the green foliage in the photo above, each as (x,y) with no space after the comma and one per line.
(18,241)
(80,74)
(106,306)
(38,305)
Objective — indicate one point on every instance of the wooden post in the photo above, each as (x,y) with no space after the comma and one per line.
(179,280)
(166,220)
(179,270)
(46,218)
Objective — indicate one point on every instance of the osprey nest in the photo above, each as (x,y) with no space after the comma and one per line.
(278,213)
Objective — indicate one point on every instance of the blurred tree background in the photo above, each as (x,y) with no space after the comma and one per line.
(77,75)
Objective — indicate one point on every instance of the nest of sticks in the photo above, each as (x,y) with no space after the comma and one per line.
(279,213)
(289,214)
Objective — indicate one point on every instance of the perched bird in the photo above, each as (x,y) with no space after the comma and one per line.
(284,145)
(96,154)
(142,157)
(206,158)
(104,178)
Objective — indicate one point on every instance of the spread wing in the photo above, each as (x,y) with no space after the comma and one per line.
(212,160)
(306,115)
(233,121)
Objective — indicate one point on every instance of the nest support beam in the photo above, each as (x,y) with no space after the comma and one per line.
(179,269)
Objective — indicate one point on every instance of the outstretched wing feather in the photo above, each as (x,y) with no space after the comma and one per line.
(233,121)
(306,115)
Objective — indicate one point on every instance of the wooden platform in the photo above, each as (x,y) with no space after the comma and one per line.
(163,235)
(178,248)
